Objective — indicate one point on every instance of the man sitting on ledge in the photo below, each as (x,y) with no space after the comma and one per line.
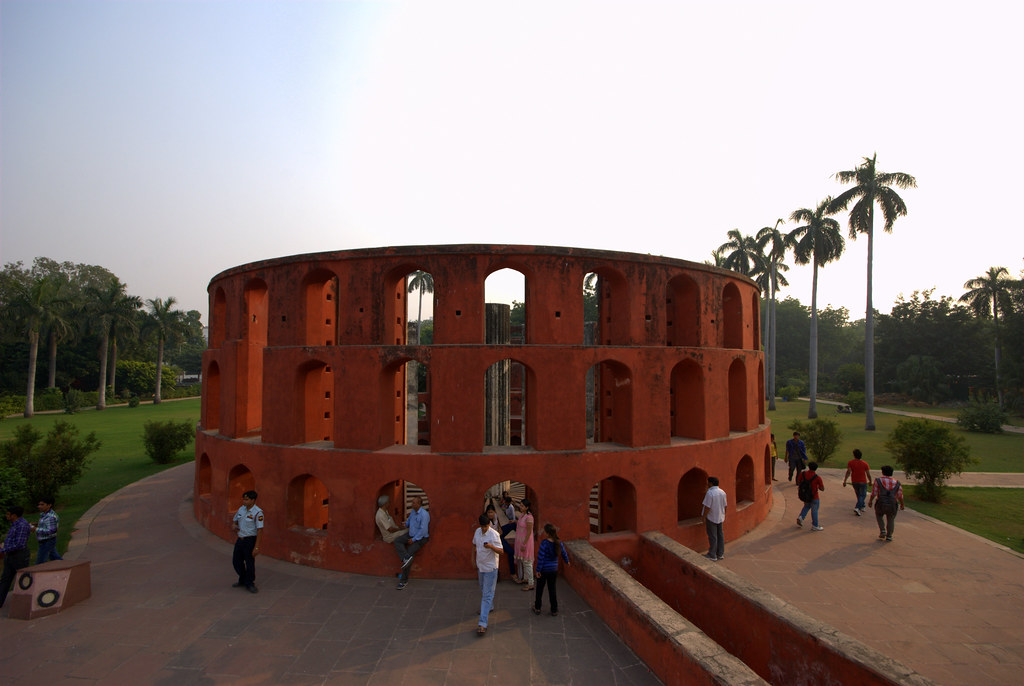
(389,531)
(407,544)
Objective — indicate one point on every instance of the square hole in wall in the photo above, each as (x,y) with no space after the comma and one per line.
(360,309)
(327,415)
(328,342)
(398,394)
(647,317)
(327,369)
(558,315)
(327,321)
(284,317)
(330,296)
(458,313)
(327,394)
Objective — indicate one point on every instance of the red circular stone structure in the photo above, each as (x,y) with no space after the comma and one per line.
(305,400)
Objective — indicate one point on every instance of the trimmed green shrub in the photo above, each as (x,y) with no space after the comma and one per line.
(790,392)
(929,452)
(74,400)
(48,399)
(855,399)
(133,401)
(11,404)
(164,439)
(822,436)
(982,418)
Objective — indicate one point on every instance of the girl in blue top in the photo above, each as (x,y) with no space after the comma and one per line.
(547,567)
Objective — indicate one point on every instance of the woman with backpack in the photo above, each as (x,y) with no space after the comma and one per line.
(889,494)
(547,567)
(808,483)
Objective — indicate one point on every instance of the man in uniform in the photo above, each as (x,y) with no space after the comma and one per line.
(248,524)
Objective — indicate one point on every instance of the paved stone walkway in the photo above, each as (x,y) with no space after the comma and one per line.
(163,611)
(945,602)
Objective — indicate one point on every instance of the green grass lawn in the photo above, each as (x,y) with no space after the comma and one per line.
(995,452)
(995,513)
(121,459)
(951,412)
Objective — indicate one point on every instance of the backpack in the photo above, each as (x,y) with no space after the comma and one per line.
(805,488)
(886,502)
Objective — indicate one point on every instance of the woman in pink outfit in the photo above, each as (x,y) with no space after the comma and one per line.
(524,545)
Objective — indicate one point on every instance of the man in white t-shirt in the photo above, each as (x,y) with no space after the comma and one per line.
(389,530)
(712,513)
(486,550)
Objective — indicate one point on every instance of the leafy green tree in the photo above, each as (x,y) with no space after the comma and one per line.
(929,452)
(775,245)
(982,417)
(109,307)
(850,377)
(424,283)
(822,436)
(167,324)
(51,464)
(819,242)
(871,187)
(920,377)
(991,293)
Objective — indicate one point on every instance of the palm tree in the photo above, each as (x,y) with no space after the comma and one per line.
(717,258)
(743,254)
(60,325)
(36,305)
(871,186)
(167,324)
(777,244)
(106,307)
(423,282)
(819,241)
(991,292)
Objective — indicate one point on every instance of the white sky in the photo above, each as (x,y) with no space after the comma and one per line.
(168,141)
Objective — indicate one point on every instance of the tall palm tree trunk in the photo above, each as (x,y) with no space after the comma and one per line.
(113,367)
(999,345)
(419,317)
(812,409)
(51,378)
(30,389)
(869,334)
(159,370)
(101,402)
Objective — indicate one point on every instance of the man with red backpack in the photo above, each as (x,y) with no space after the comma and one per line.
(889,494)
(808,484)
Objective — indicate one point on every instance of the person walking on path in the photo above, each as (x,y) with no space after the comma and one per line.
(889,494)
(811,500)
(410,543)
(46,531)
(15,549)
(712,513)
(547,568)
(775,455)
(859,474)
(796,455)
(248,524)
(487,550)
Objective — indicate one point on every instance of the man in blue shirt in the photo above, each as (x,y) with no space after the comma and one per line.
(409,543)
(15,548)
(796,456)
(248,523)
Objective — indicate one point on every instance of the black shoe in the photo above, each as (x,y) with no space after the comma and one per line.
(252,588)
(237,584)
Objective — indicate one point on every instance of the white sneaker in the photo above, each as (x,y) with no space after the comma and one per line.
(856,511)
(817,528)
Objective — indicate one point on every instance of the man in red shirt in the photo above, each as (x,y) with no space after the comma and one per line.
(811,475)
(859,474)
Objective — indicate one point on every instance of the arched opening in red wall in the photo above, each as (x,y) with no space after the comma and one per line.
(408,491)
(612,413)
(399,411)
(505,399)
(204,476)
(320,288)
(420,306)
(613,298)
(732,317)
(767,465)
(755,310)
(612,506)
(308,503)
(687,393)
(218,322)
(211,389)
(737,396)
(256,307)
(315,380)
(745,480)
(690,494)
(240,480)
(395,491)
(419,398)
(508,286)
(682,311)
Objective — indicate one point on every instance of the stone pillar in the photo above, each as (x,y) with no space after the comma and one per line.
(589,339)
(497,331)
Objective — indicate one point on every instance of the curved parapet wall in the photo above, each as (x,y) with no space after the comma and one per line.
(309,396)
